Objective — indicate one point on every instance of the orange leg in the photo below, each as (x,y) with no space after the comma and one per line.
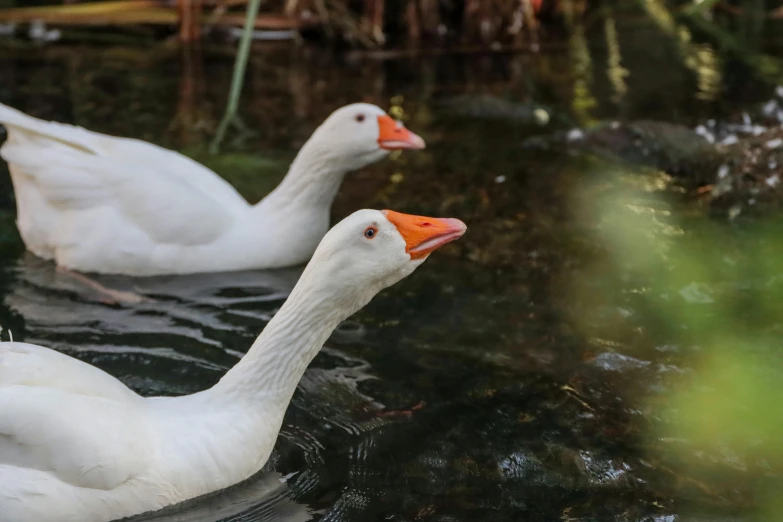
(110,296)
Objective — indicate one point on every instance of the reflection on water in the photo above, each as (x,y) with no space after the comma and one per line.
(470,391)
(264,498)
(183,325)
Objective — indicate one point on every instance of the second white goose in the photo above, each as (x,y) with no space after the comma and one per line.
(98,203)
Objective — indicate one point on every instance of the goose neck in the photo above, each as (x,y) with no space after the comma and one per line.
(270,371)
(312,180)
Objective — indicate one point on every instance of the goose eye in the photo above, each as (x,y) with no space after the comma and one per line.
(359,118)
(370,232)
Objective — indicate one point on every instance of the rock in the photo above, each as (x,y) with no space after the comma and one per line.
(669,147)
(484,106)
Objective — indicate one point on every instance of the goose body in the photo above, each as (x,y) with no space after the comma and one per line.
(76,445)
(98,203)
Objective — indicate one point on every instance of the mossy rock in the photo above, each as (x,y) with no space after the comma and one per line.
(253,175)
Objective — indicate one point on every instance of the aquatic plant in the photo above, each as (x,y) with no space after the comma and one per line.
(240,64)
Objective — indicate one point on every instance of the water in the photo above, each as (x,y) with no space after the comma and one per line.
(474,389)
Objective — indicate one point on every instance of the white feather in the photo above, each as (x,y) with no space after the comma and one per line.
(97,203)
(76,445)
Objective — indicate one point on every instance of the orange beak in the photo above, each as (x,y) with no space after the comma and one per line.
(422,234)
(392,135)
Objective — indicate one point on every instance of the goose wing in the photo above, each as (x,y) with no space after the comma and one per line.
(171,198)
(67,417)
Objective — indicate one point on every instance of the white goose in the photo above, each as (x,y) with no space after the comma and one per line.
(97,203)
(76,445)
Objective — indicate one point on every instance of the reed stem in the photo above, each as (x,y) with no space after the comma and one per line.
(240,64)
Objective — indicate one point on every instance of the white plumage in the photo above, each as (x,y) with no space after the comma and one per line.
(98,203)
(76,445)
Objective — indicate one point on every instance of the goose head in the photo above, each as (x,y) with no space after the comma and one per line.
(361,133)
(371,250)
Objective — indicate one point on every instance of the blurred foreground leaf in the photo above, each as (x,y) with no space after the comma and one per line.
(713,292)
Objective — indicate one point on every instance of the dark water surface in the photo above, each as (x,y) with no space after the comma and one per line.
(471,390)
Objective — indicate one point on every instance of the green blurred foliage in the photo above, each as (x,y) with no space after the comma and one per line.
(711,292)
